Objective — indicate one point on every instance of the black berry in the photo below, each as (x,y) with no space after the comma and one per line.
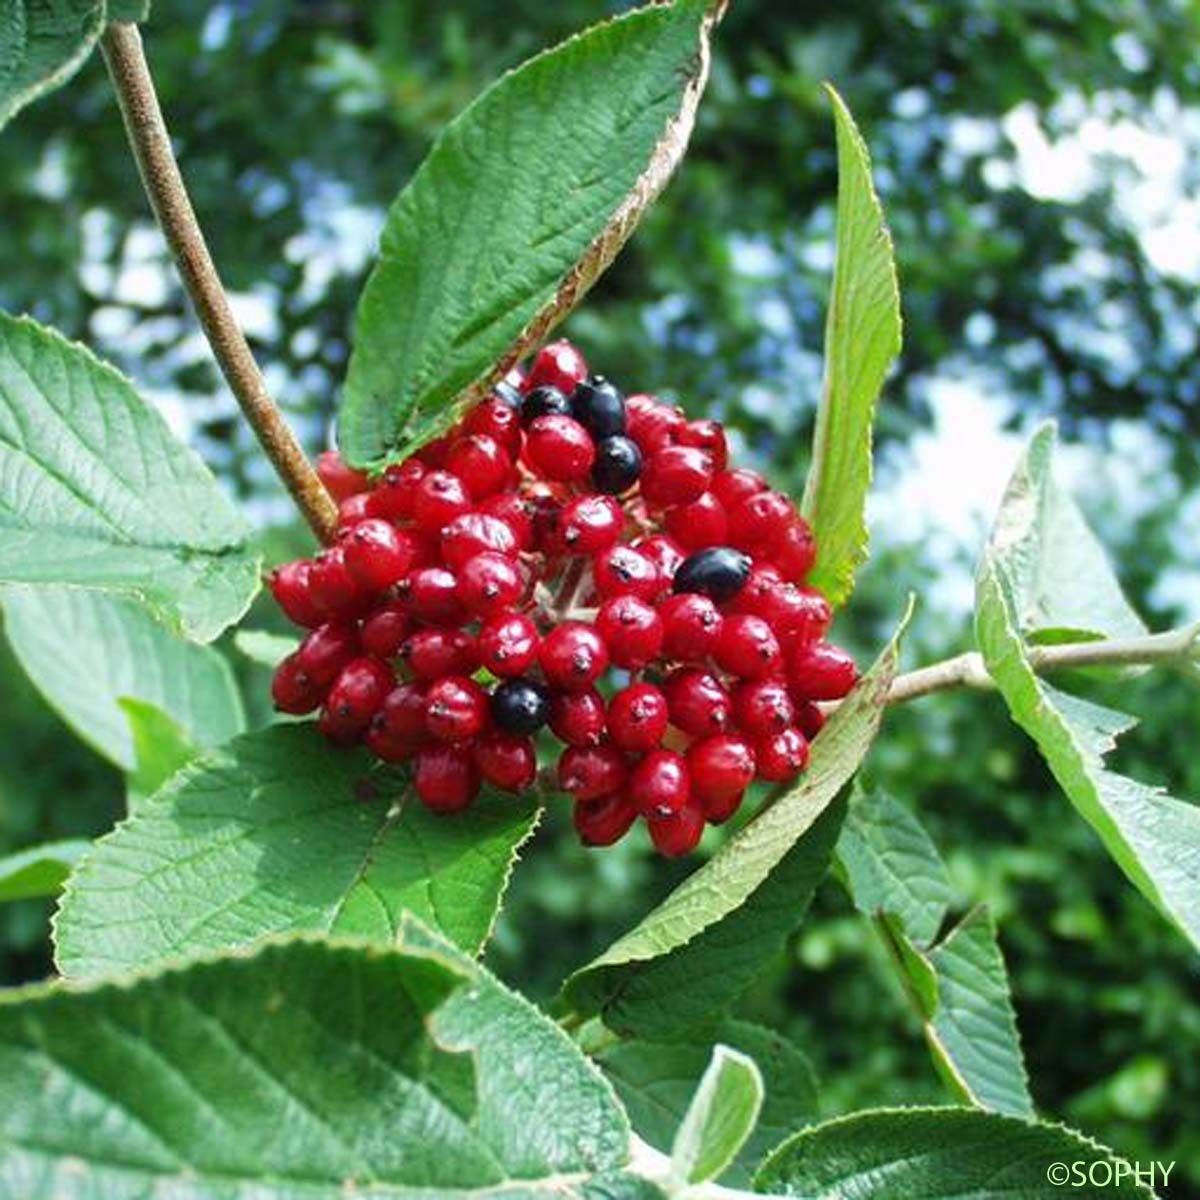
(520,706)
(719,572)
(544,402)
(618,465)
(599,407)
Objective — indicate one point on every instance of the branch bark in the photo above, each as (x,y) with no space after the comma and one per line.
(151,144)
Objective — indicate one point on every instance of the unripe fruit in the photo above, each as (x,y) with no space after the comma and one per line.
(446,778)
(699,703)
(781,756)
(578,718)
(588,772)
(691,626)
(732,487)
(759,520)
(637,718)
(604,820)
(396,496)
(747,648)
(325,651)
(763,707)
(700,524)
(623,570)
(432,653)
(660,784)
(508,644)
(481,463)
(431,595)
(438,499)
(489,584)
(559,365)
(456,709)
(340,479)
(721,769)
(590,524)
(676,475)
(354,699)
(291,585)
(821,672)
(559,448)
(677,833)
(506,761)
(573,656)
(632,630)
(292,690)
(377,554)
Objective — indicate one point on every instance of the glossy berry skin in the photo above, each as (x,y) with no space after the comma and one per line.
(697,525)
(605,820)
(698,702)
(573,656)
(677,833)
(599,407)
(292,691)
(559,365)
(499,421)
(637,718)
(732,487)
(632,629)
(544,402)
(508,644)
(664,552)
(395,497)
(377,554)
(472,534)
(719,572)
(437,500)
(446,778)
(810,720)
(335,592)
(354,509)
(781,756)
(456,709)
(589,524)
(655,426)
(618,465)
(397,730)
(708,436)
(431,596)
(759,520)
(763,707)
(291,585)
(797,616)
(481,463)
(747,648)
(325,651)
(560,449)
(431,653)
(489,584)
(355,697)
(691,627)
(516,512)
(340,479)
(578,718)
(622,570)
(676,475)
(506,761)
(660,784)
(721,769)
(795,551)
(821,672)
(520,706)
(588,772)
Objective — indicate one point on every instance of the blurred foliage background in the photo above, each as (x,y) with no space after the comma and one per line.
(1038,164)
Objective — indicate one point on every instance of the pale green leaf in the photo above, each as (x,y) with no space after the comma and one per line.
(720,1118)
(42,44)
(308,1068)
(523,202)
(39,870)
(85,652)
(95,491)
(862,337)
(692,955)
(277,832)
(942,1154)
(1153,837)
(266,649)
(160,748)
(129,10)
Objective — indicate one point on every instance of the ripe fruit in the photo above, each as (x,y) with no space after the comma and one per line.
(544,401)
(520,706)
(719,572)
(599,408)
(618,465)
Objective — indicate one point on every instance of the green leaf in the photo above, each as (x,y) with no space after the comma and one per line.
(38,871)
(523,202)
(129,10)
(96,492)
(862,337)
(160,748)
(309,1068)
(692,955)
(1153,837)
(277,832)
(85,652)
(941,1154)
(266,649)
(720,1118)
(42,44)
(656,1081)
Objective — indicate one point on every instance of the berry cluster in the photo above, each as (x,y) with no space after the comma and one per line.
(569,558)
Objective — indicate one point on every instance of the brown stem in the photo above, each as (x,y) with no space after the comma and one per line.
(151,143)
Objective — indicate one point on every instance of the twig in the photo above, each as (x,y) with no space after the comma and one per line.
(151,143)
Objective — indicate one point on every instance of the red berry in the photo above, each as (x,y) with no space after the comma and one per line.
(678,833)
(795,550)
(396,495)
(637,718)
(691,627)
(573,656)
(506,762)
(653,426)
(706,435)
(398,730)
(660,784)
(325,651)
(699,704)
(384,630)
(762,707)
(433,454)
(732,487)
(360,690)
(810,720)
(796,615)
(489,583)
(590,524)
(759,520)
(432,653)
(456,709)
(377,554)
(747,648)
(699,524)
(559,448)
(578,718)
(431,595)
(439,498)
(481,463)
(782,756)
(498,421)
(354,509)
(721,768)
(666,555)
(341,480)
(604,820)
(292,690)
(291,585)
(632,629)
(508,644)
(622,569)
(446,778)
(516,511)
(676,475)
(558,365)
(590,771)
(334,590)
(821,672)
(473,533)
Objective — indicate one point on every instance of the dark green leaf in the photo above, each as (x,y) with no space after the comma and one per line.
(40,870)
